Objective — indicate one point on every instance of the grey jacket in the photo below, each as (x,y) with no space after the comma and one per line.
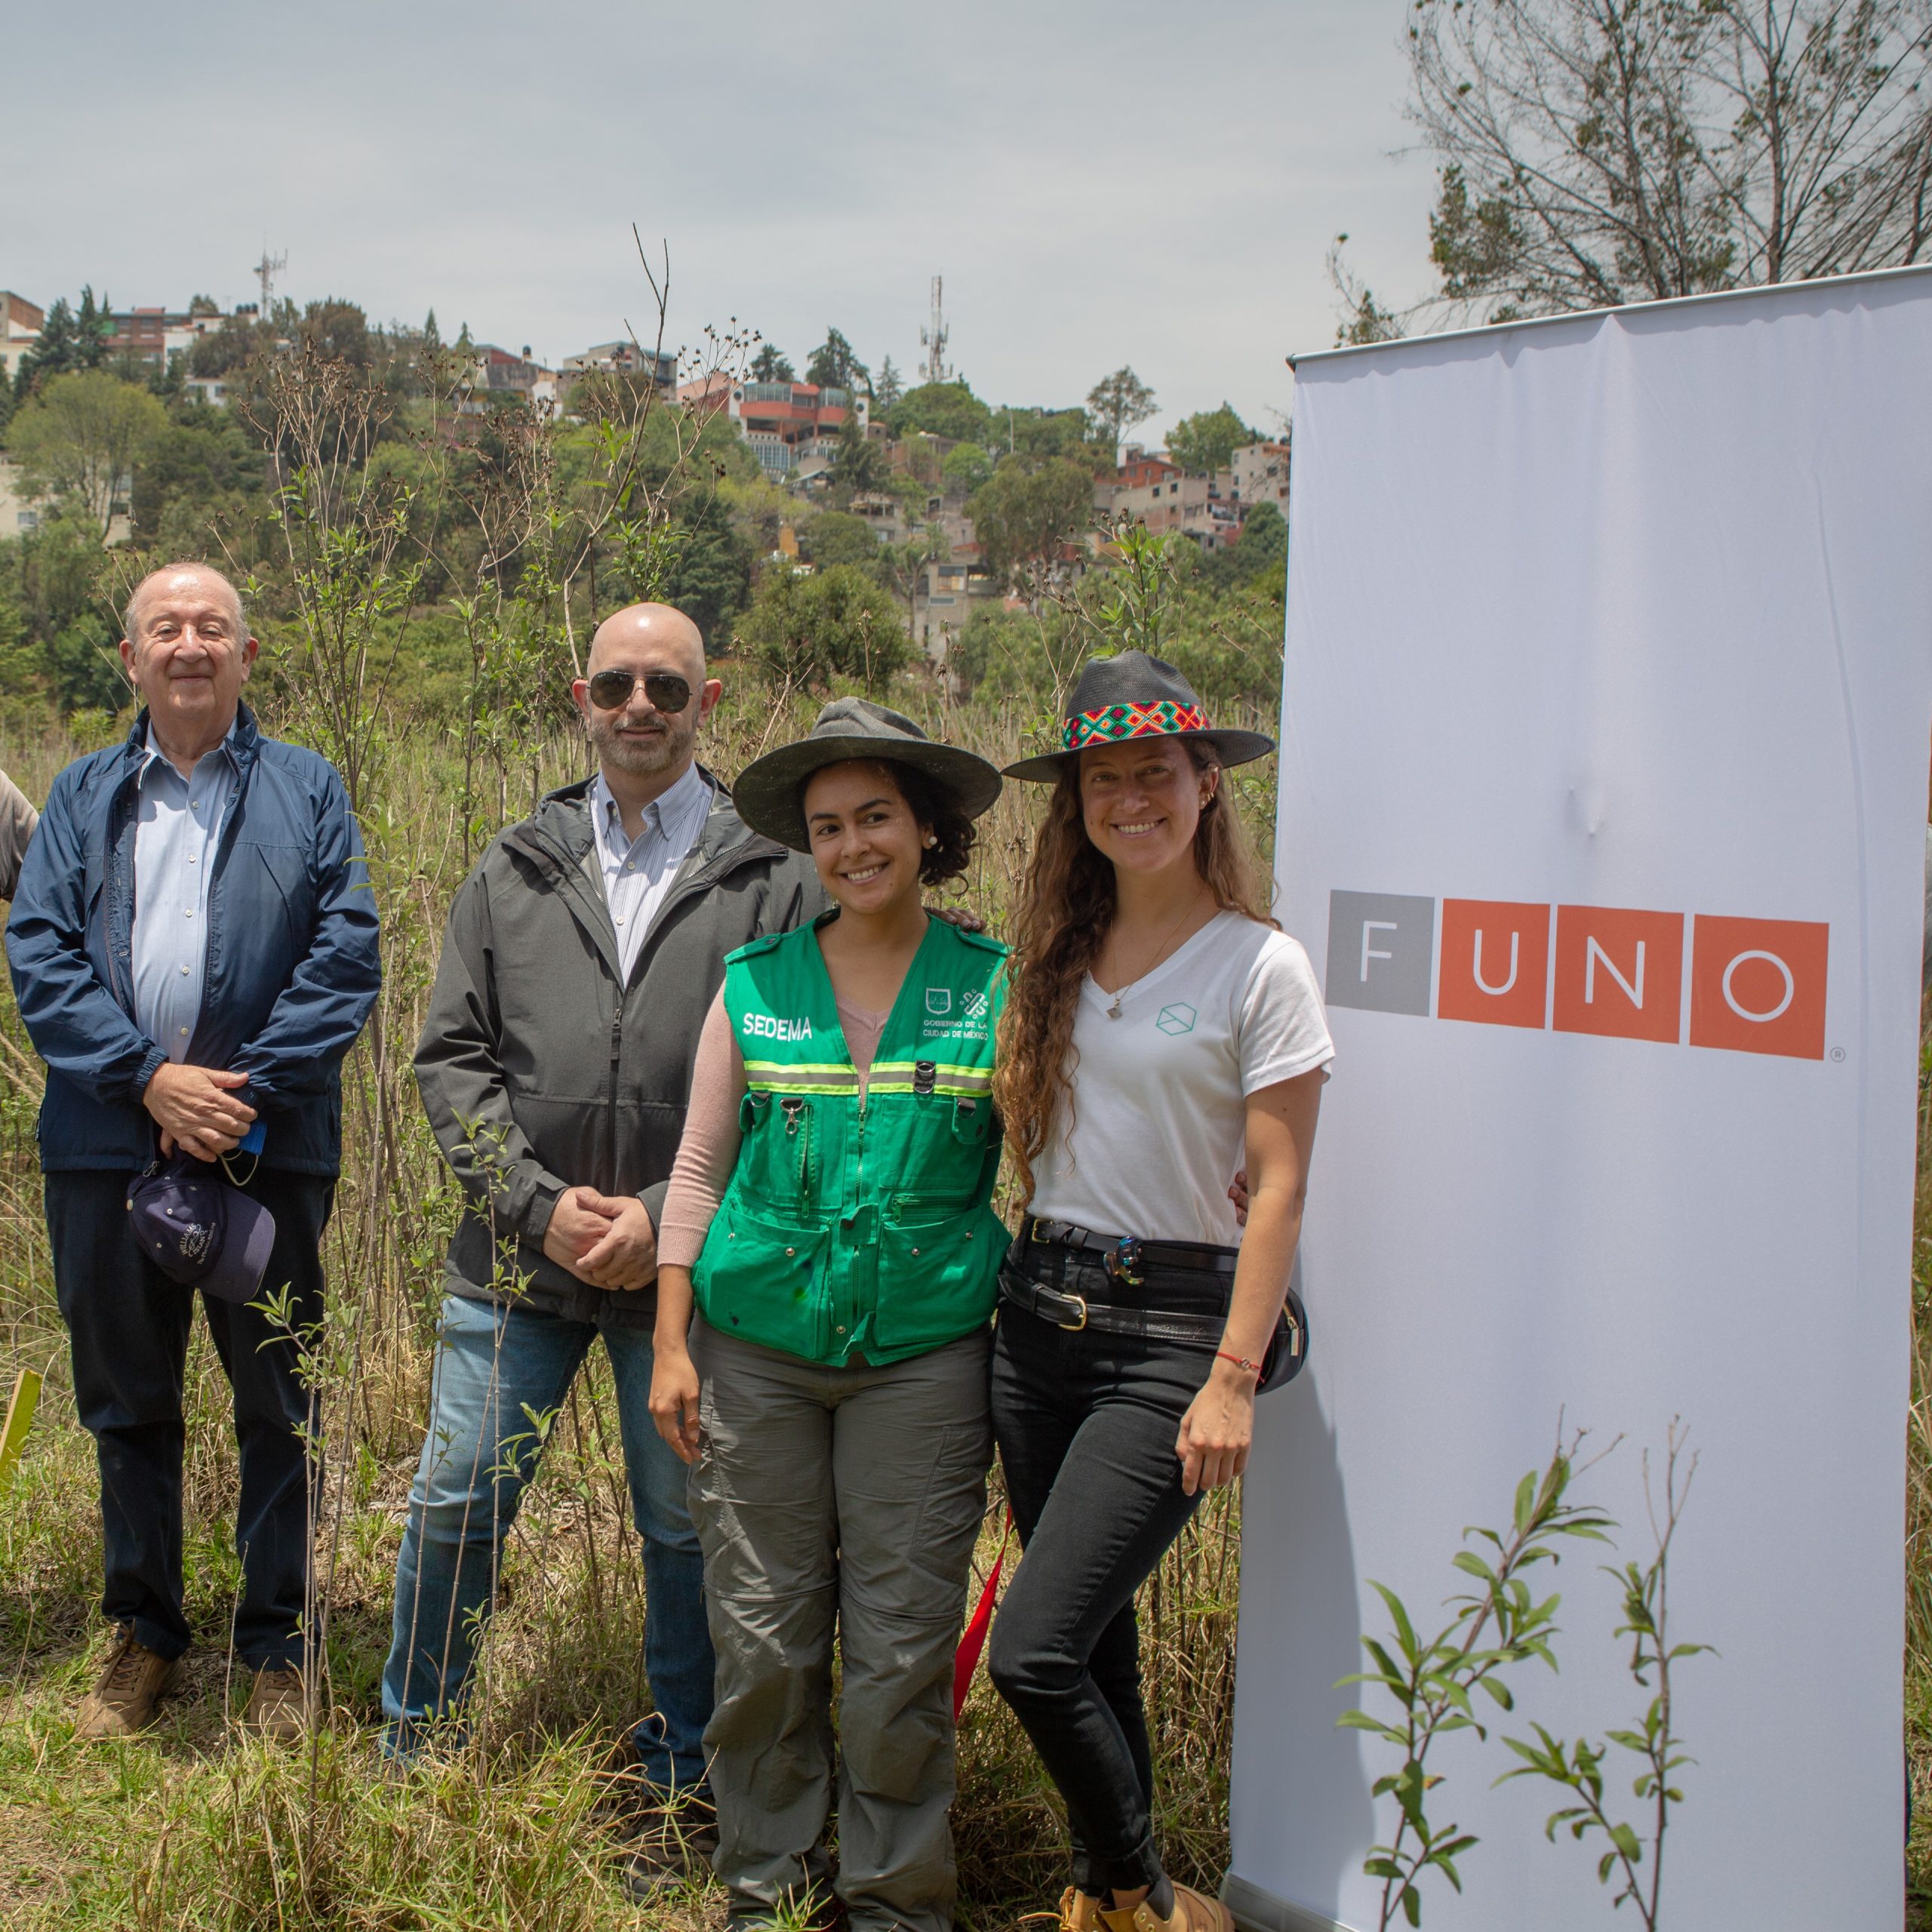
(541,1069)
(17,820)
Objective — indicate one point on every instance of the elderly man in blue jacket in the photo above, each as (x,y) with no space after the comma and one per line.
(193,950)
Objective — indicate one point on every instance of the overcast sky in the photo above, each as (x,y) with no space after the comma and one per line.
(1099,181)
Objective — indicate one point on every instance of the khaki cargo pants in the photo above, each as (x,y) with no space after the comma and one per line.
(848,1497)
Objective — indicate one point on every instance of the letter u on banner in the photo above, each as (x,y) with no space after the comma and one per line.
(1495,962)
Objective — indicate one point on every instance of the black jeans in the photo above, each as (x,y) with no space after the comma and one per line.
(127,1324)
(1086,1425)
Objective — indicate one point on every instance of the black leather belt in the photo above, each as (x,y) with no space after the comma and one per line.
(1124,1255)
(1066,1310)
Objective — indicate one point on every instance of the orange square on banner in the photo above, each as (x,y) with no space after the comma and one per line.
(1495,962)
(1758,986)
(1619,972)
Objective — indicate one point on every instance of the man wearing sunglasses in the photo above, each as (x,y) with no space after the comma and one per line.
(555,1063)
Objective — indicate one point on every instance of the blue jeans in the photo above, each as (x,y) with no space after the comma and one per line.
(492,1362)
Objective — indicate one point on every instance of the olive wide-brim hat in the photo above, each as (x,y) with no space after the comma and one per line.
(770,793)
(1135,696)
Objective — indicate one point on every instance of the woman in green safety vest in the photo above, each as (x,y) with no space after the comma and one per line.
(829,1216)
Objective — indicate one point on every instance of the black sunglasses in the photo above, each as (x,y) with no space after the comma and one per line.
(610,691)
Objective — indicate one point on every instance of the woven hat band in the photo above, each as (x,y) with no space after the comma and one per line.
(1163,719)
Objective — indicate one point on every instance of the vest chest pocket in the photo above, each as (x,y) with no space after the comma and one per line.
(775,1156)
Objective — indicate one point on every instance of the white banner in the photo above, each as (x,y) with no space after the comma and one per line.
(1609,679)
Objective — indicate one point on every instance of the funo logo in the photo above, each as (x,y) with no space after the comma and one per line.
(1754,986)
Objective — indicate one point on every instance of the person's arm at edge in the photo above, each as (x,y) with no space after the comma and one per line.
(17,820)
(706,1155)
(1218,1430)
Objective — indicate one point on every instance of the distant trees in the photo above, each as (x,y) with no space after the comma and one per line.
(771,364)
(1206,440)
(1118,401)
(858,463)
(1599,152)
(835,365)
(68,340)
(943,409)
(890,385)
(80,436)
(966,468)
(837,536)
(1026,510)
(840,622)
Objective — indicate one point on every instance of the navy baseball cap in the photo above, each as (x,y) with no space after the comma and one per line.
(199,1231)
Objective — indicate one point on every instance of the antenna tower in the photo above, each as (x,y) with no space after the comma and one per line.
(265,272)
(932,338)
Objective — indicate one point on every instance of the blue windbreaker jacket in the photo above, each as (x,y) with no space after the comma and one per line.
(293,967)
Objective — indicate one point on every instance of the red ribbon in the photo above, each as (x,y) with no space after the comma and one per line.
(966,1659)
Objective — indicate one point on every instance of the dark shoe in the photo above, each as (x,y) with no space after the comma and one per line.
(278,1707)
(131,1685)
(676,1838)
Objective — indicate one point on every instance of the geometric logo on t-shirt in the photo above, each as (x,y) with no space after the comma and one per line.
(1179,1018)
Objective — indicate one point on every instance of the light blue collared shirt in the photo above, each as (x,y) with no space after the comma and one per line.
(174,848)
(637,873)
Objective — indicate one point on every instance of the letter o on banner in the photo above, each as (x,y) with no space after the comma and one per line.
(1758,986)
(1743,1012)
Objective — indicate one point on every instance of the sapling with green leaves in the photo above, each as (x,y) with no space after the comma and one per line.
(1494,1628)
(1580,1768)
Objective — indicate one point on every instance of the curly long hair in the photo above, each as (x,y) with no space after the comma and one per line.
(1066,906)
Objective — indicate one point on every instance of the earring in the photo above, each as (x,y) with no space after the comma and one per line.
(931,840)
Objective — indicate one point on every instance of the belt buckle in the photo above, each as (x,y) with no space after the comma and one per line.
(1033,1234)
(1122,1261)
(1073,1327)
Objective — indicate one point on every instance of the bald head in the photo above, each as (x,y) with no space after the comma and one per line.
(172,581)
(641,748)
(673,641)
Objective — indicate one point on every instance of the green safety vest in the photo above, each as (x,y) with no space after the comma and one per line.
(860,1231)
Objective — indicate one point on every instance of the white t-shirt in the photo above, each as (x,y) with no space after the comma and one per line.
(1159,1120)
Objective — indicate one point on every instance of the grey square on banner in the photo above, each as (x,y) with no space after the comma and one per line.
(1381,947)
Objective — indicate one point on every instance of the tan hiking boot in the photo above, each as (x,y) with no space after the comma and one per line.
(1192,1913)
(278,1707)
(1079,1913)
(123,1701)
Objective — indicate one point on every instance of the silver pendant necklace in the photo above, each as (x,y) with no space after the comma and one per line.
(1113,1011)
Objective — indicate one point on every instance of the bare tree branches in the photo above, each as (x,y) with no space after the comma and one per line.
(1598,152)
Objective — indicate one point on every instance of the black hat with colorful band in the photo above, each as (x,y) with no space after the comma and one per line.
(1135,696)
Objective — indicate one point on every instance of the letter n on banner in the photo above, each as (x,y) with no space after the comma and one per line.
(1619,972)
(1495,962)
(1758,986)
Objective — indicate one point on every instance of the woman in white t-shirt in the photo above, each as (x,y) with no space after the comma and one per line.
(1160,1033)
